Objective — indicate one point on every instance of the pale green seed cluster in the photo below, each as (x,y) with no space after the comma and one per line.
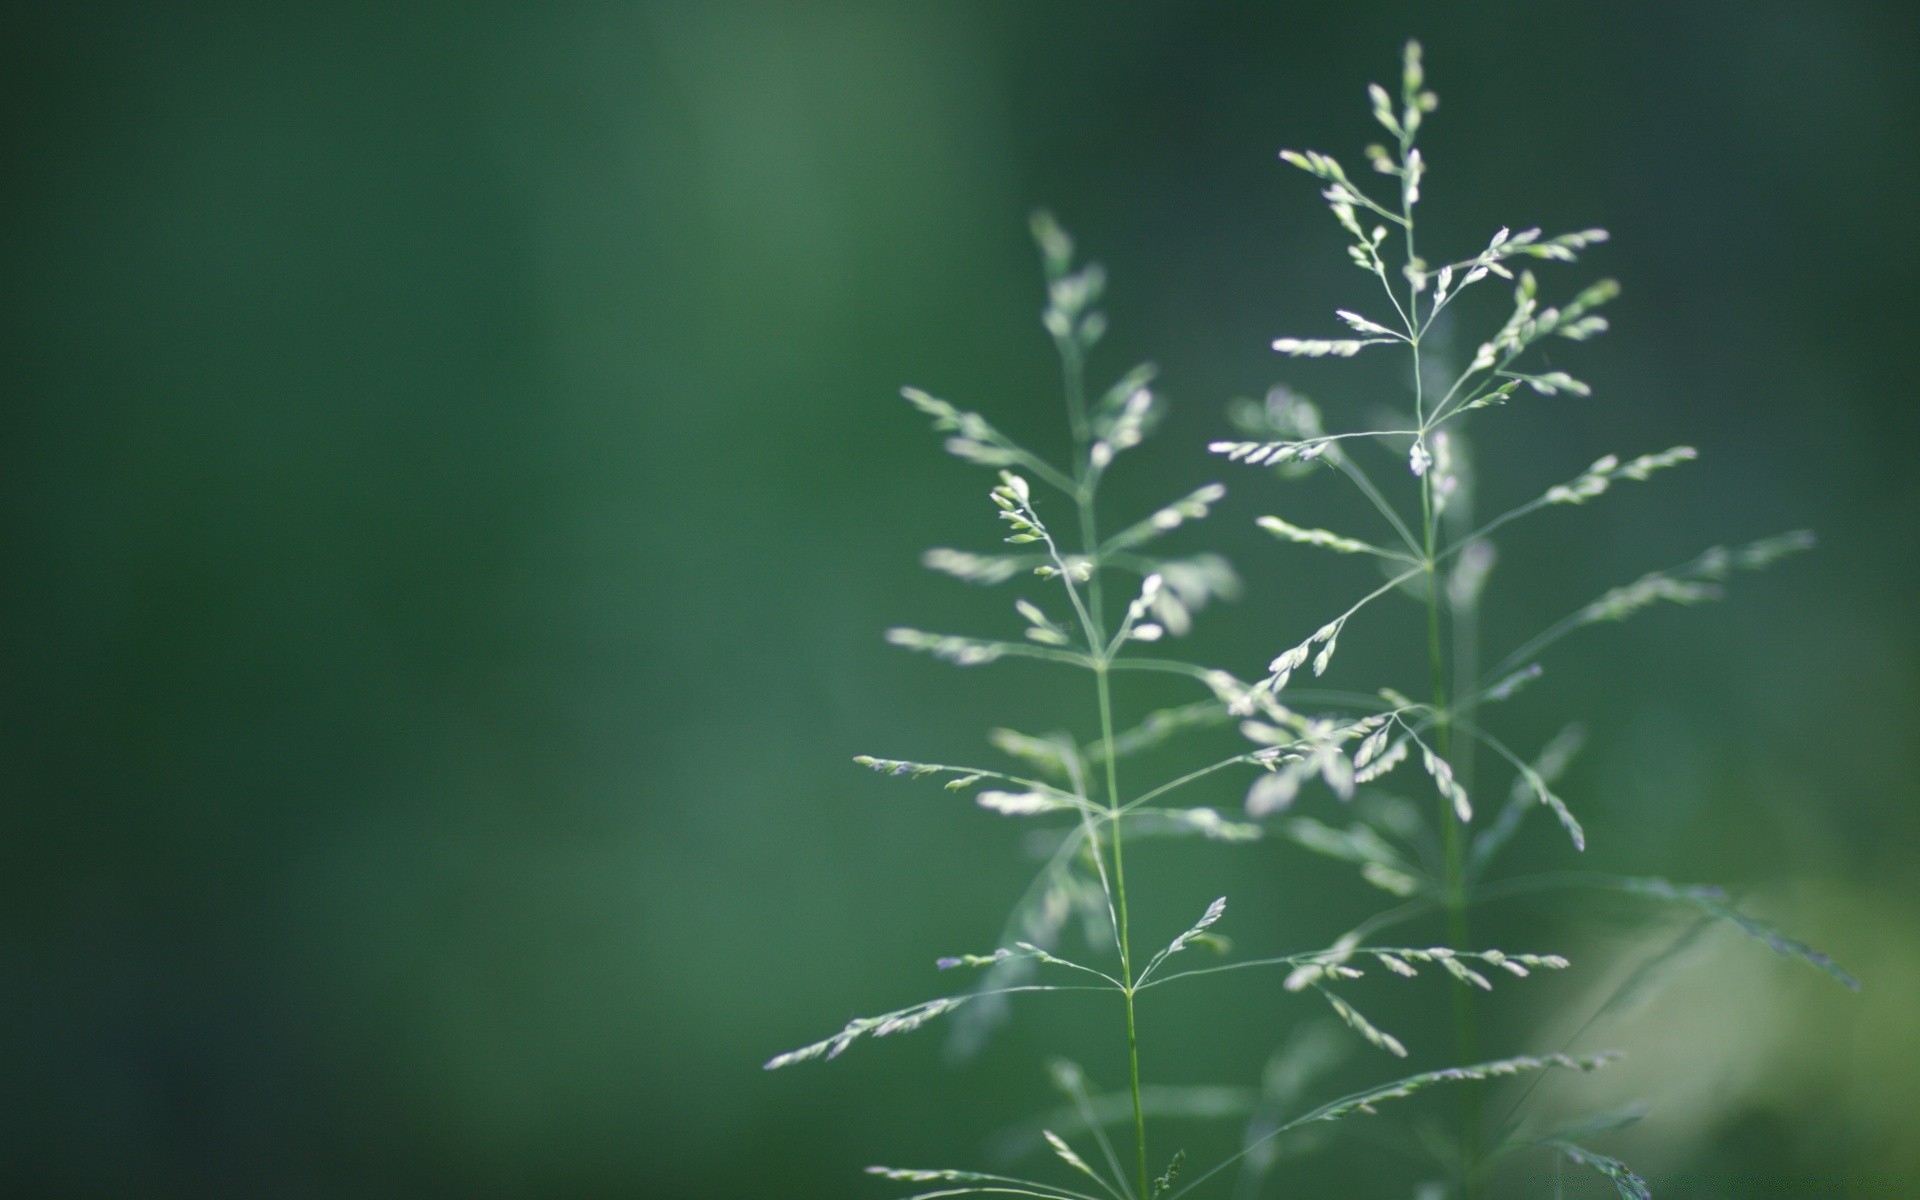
(1101,603)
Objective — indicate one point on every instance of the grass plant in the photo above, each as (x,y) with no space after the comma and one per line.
(1112,601)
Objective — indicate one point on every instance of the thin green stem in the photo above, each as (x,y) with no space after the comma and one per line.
(1352,471)
(1326,957)
(1452,853)
(1073,376)
(1093,620)
(1182,781)
(1452,844)
(1126,951)
(1044,470)
(1004,1191)
(1463,610)
(1084,1104)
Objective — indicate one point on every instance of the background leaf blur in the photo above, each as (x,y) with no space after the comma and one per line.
(455,483)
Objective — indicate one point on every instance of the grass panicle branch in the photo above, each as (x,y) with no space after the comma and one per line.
(1417,835)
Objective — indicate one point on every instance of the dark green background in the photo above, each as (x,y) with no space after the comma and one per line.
(454,486)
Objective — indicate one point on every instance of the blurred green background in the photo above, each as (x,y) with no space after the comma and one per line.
(454,486)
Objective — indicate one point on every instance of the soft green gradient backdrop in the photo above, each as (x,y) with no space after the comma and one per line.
(454,487)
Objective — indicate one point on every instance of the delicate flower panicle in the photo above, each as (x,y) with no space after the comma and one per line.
(1322,764)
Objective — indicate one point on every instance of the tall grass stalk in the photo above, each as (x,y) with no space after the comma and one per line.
(1435,860)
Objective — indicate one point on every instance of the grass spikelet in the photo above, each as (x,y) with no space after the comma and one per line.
(898,1021)
(1322,538)
(1165,1181)
(1629,1185)
(1713,902)
(986,569)
(1193,507)
(1068,1156)
(1198,930)
(1365,1028)
(1021,804)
